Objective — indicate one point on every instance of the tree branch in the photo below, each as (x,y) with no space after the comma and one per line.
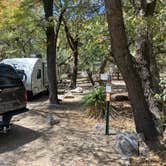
(148,7)
(59,22)
(68,35)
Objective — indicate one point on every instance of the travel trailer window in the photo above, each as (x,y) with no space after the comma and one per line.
(39,74)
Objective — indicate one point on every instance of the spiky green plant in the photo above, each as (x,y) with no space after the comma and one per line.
(94,103)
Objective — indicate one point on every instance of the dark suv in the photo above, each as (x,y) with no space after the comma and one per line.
(13,96)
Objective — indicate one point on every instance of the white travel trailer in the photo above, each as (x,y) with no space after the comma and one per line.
(33,71)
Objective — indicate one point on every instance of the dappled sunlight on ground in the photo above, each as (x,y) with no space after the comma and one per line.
(75,141)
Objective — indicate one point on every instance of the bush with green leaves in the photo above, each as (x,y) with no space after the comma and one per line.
(94,103)
(162,96)
(162,99)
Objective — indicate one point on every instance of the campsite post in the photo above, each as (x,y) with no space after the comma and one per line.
(108,98)
(107,78)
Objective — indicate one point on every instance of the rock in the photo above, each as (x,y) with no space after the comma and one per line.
(52,120)
(60,97)
(69,95)
(99,126)
(120,97)
(127,144)
(77,90)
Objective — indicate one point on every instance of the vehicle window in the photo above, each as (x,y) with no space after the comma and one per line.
(38,74)
(8,77)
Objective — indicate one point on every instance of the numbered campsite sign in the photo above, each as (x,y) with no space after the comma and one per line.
(108,88)
(107,78)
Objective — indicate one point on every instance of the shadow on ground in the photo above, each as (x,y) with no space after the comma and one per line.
(16,138)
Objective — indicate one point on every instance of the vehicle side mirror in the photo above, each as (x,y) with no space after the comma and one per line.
(22,75)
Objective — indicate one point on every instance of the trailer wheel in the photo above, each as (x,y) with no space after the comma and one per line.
(47,91)
(30,95)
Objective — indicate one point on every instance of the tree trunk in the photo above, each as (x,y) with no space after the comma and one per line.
(90,77)
(75,69)
(51,52)
(56,39)
(105,62)
(145,57)
(103,66)
(143,117)
(73,43)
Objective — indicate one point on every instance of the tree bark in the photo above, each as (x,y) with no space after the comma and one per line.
(90,77)
(51,52)
(105,62)
(145,56)
(143,117)
(103,66)
(73,43)
(75,69)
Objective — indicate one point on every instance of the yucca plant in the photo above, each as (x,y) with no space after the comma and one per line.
(94,103)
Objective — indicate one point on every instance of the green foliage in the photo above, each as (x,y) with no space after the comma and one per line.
(96,44)
(92,32)
(162,98)
(94,103)
(156,25)
(21,29)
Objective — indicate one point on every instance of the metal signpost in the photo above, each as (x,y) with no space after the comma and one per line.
(107,78)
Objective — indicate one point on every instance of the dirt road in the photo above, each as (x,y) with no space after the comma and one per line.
(73,142)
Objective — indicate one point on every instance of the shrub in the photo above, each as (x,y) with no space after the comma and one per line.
(94,103)
(162,98)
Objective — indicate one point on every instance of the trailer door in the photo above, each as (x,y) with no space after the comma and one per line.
(37,85)
(45,78)
(43,73)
